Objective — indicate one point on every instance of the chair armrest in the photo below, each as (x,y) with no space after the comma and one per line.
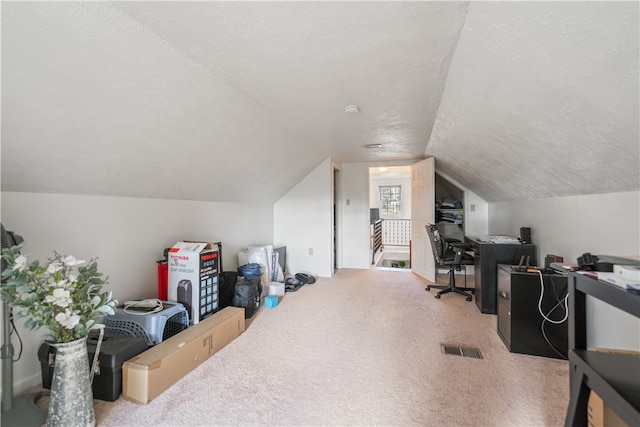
(461,246)
(459,249)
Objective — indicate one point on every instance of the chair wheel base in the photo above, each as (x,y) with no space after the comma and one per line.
(428,288)
(468,298)
(437,296)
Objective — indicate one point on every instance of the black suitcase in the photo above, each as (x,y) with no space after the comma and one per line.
(247,294)
(228,280)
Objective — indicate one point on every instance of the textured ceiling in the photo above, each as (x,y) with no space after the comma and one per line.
(237,101)
(546,95)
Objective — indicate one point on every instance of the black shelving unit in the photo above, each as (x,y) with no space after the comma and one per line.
(615,377)
(444,189)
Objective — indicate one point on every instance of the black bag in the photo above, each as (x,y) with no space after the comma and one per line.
(305,278)
(228,281)
(247,294)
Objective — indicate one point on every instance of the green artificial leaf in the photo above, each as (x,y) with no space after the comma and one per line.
(30,324)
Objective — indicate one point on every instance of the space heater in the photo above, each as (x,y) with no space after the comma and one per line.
(153,327)
(185,296)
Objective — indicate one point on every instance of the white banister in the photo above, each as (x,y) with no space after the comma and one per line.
(396,232)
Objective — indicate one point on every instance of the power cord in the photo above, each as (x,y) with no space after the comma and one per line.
(143,307)
(560,302)
(564,303)
(544,334)
(13,329)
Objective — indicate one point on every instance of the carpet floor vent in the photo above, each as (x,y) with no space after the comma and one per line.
(471,352)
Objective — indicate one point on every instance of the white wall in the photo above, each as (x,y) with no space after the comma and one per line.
(356,245)
(303,221)
(128,236)
(603,224)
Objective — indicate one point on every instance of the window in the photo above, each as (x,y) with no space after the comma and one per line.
(390,199)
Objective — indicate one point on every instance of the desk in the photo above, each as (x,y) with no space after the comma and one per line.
(487,256)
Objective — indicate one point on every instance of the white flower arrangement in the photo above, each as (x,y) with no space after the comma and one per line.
(66,301)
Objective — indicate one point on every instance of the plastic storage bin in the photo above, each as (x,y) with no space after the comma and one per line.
(153,327)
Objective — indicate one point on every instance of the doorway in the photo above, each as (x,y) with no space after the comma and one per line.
(390,203)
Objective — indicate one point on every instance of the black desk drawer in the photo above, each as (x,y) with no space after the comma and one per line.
(504,323)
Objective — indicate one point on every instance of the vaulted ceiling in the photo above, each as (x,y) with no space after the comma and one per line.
(237,101)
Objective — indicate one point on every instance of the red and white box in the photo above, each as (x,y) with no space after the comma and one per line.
(193,278)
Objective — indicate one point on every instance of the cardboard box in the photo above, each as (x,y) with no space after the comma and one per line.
(152,372)
(600,415)
(193,278)
(617,350)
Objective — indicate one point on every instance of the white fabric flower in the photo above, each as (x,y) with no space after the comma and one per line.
(71,261)
(106,309)
(62,284)
(68,319)
(56,295)
(61,297)
(54,267)
(20,263)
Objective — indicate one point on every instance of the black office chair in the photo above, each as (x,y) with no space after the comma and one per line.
(449,253)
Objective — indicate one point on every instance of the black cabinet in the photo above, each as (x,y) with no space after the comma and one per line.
(520,323)
(487,256)
(614,376)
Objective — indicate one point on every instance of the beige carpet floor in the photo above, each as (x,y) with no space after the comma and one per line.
(362,348)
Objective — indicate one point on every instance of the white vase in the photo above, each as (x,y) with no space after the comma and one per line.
(71,400)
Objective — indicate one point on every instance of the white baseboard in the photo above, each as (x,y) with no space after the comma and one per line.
(26,383)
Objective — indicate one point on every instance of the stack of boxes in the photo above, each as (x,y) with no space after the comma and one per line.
(190,275)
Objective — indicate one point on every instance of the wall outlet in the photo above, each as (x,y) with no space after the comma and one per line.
(310,251)
(472,207)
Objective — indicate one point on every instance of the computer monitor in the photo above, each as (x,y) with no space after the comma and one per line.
(375,214)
